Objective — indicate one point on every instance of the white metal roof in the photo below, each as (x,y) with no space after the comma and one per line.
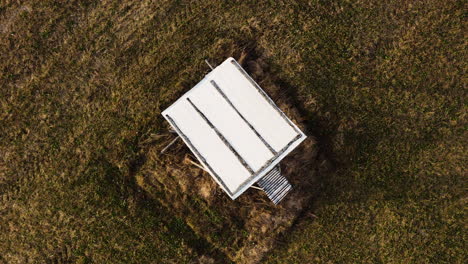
(234,129)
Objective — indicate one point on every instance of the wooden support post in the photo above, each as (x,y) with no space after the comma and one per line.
(196,164)
(255,187)
(169,145)
(209,65)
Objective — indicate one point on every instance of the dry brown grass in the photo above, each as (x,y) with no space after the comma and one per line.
(380,84)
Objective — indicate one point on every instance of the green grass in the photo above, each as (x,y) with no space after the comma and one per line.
(380,84)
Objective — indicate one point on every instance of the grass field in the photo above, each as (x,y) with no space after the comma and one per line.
(381,86)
